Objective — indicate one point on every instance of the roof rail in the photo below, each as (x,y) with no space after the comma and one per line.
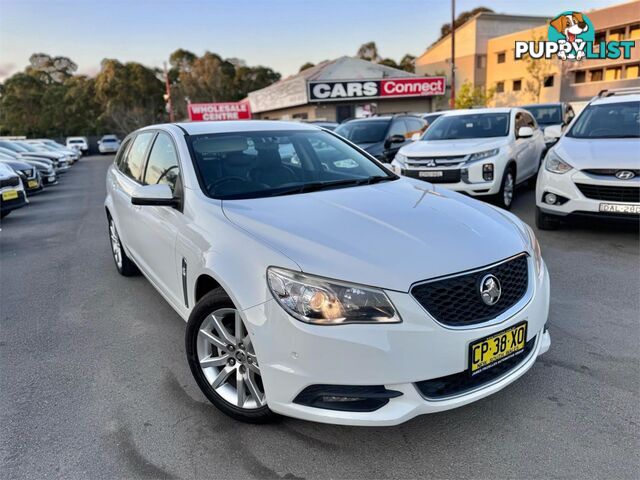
(610,92)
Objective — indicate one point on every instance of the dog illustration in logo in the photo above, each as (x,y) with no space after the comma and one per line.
(571,25)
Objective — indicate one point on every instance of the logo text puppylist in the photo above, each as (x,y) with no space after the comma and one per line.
(571,36)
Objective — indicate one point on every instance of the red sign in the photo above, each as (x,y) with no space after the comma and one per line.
(206,112)
(405,87)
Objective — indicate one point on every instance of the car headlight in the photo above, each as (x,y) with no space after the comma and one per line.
(400,159)
(535,249)
(554,164)
(317,300)
(482,155)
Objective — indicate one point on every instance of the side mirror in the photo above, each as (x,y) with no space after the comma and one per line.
(416,136)
(397,139)
(525,132)
(154,195)
(554,131)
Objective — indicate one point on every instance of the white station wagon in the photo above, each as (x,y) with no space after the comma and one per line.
(272,240)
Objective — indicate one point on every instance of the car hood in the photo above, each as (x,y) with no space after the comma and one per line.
(49,155)
(583,153)
(423,148)
(388,235)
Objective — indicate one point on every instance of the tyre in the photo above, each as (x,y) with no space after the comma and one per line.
(545,221)
(223,361)
(124,264)
(504,198)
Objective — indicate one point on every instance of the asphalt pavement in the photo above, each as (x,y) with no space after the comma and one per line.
(94,382)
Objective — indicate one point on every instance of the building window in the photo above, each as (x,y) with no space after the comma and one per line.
(614,73)
(596,75)
(601,37)
(500,87)
(502,57)
(616,35)
(481,61)
(517,85)
(548,81)
(581,77)
(632,71)
(634,32)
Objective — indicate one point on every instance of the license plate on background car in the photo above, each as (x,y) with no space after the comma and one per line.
(429,174)
(32,183)
(616,208)
(497,347)
(9,195)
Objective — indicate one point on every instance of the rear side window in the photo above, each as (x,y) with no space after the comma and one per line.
(162,167)
(122,152)
(134,158)
(398,128)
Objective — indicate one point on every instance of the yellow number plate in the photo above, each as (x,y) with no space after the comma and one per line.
(9,195)
(491,350)
(32,183)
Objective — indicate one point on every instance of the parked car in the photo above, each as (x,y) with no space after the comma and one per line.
(557,114)
(431,117)
(108,144)
(12,195)
(73,153)
(483,153)
(29,175)
(59,160)
(39,148)
(43,166)
(78,143)
(281,267)
(382,137)
(324,124)
(594,169)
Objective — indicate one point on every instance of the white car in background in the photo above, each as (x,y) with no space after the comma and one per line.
(594,169)
(108,144)
(12,194)
(483,153)
(78,143)
(271,240)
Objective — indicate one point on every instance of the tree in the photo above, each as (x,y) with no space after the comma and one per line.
(306,66)
(51,69)
(445,29)
(408,63)
(20,104)
(368,51)
(389,62)
(538,70)
(469,96)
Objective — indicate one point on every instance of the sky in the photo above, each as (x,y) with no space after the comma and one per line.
(281,34)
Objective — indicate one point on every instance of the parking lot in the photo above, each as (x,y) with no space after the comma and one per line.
(94,382)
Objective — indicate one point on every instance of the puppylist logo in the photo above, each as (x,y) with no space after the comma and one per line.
(571,36)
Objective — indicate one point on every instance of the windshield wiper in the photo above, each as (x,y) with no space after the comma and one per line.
(316,186)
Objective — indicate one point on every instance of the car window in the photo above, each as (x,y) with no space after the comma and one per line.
(262,164)
(371,131)
(610,120)
(415,126)
(134,159)
(528,121)
(162,167)
(121,155)
(398,127)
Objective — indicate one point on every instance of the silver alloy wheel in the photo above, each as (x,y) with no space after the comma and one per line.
(116,247)
(507,195)
(228,360)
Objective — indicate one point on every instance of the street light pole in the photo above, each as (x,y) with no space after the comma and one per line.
(453,53)
(168,94)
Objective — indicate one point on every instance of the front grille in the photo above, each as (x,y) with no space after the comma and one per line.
(9,182)
(456,301)
(460,383)
(609,193)
(435,161)
(610,172)
(448,176)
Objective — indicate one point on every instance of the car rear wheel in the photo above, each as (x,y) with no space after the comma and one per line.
(123,263)
(545,221)
(223,360)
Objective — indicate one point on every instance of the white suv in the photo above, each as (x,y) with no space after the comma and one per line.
(594,169)
(483,152)
(271,239)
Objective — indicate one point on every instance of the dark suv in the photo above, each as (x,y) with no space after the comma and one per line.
(382,137)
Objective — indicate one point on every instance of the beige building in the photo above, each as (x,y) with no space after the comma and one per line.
(565,81)
(471,41)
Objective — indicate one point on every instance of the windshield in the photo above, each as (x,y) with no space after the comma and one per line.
(372,131)
(30,148)
(476,125)
(13,146)
(75,141)
(264,164)
(546,115)
(432,118)
(612,120)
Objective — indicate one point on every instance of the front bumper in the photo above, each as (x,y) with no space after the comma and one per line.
(574,201)
(9,205)
(294,355)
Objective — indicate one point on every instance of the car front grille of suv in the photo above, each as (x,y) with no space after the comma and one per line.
(456,301)
(609,193)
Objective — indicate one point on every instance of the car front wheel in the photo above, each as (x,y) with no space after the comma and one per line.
(507,189)
(223,360)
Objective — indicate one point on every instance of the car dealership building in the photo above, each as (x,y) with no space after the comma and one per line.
(345,88)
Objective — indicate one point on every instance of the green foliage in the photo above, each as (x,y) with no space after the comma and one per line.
(445,29)
(306,66)
(369,51)
(469,96)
